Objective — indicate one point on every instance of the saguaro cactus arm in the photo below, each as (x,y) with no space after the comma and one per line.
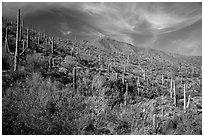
(6,43)
(27,43)
(188,104)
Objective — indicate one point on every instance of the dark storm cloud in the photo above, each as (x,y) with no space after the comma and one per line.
(160,25)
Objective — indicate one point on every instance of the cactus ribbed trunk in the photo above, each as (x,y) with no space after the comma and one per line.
(17,41)
(74,78)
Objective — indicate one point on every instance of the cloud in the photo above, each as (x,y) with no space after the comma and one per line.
(142,24)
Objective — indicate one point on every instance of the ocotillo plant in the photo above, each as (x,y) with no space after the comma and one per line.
(74,78)
(184,97)
(16,54)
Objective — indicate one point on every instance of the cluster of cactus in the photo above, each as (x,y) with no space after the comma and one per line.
(173,94)
(19,39)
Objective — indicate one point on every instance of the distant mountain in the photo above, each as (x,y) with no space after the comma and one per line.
(111,45)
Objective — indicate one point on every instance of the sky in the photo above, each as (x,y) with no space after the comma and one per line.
(173,27)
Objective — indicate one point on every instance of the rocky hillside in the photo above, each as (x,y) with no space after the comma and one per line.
(105,87)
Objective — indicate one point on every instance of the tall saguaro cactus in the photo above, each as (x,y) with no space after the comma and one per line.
(51,59)
(17,41)
(17,53)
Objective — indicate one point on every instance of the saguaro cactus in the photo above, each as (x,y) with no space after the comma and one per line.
(50,64)
(109,69)
(184,97)
(116,75)
(123,78)
(144,75)
(138,80)
(126,95)
(175,101)
(114,61)
(99,58)
(154,122)
(17,41)
(52,46)
(74,78)
(16,53)
(128,59)
(188,104)
(38,38)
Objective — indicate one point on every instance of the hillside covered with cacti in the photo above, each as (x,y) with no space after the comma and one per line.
(54,86)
